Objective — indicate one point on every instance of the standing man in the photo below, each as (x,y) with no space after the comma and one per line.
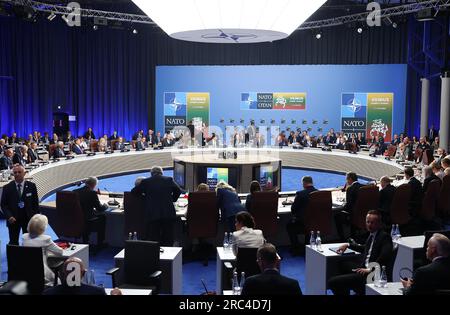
(19,203)
(297,224)
(160,192)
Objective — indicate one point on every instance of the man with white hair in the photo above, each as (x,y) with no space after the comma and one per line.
(160,192)
(19,203)
(436,275)
(6,160)
(94,211)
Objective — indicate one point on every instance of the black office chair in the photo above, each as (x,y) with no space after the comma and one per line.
(27,264)
(245,262)
(141,267)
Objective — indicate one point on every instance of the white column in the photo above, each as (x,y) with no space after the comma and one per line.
(445,112)
(424,107)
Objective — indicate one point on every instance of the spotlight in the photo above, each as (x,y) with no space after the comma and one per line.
(135,31)
(318,36)
(51,17)
(95,27)
(359,30)
(394,25)
(59,106)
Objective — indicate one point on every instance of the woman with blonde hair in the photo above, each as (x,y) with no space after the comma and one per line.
(36,238)
(229,203)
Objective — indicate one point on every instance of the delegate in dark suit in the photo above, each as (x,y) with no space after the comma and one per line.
(229,204)
(380,252)
(160,192)
(416,195)
(296,225)
(18,158)
(58,153)
(94,212)
(5,163)
(385,201)
(341,214)
(428,180)
(21,208)
(77,149)
(32,156)
(271,282)
(432,277)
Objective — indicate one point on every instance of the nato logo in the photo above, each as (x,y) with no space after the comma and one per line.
(354,105)
(249,101)
(175,104)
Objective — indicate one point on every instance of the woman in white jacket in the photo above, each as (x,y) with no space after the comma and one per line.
(246,236)
(36,238)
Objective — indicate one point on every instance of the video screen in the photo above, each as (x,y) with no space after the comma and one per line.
(266,177)
(215,175)
(178,174)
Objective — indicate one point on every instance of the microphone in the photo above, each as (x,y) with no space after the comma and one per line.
(114,202)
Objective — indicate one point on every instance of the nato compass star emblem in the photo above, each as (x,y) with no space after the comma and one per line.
(354,105)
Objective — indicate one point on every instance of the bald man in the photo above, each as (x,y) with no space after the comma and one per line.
(19,203)
(436,275)
(72,273)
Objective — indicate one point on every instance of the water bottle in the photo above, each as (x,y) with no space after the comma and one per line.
(383,277)
(135,236)
(130,236)
(376,279)
(241,284)
(312,240)
(235,284)
(393,232)
(230,241)
(397,233)
(225,242)
(318,242)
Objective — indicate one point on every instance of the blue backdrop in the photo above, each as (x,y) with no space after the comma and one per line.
(322,83)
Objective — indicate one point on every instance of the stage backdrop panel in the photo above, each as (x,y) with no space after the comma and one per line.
(307,96)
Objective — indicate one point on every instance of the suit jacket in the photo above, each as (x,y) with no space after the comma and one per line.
(18,158)
(416,195)
(386,197)
(10,200)
(141,145)
(88,135)
(167,143)
(5,162)
(247,238)
(151,139)
(89,202)
(113,137)
(13,140)
(77,149)
(84,289)
(45,140)
(120,146)
(59,153)
(44,241)
(427,181)
(382,249)
(300,202)
(160,192)
(228,202)
(32,156)
(248,202)
(434,276)
(271,282)
(350,196)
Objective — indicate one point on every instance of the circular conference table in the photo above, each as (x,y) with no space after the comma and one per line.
(57,175)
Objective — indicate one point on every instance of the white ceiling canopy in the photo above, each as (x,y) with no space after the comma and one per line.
(229,21)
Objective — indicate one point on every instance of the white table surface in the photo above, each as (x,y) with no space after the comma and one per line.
(169,253)
(131,291)
(392,288)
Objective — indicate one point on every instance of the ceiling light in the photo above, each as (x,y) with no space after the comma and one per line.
(135,31)
(51,16)
(224,21)
(394,25)
(318,36)
(360,30)
(95,27)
